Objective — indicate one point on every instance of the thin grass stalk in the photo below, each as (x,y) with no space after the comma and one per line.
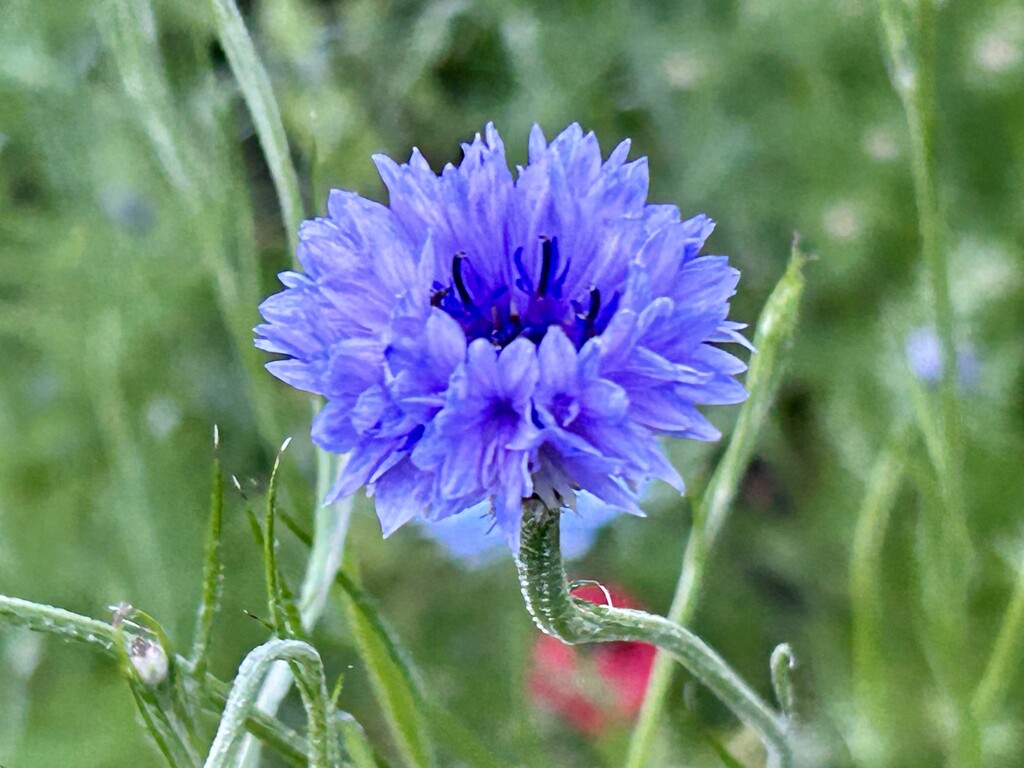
(911,50)
(774,334)
(1000,671)
(880,494)
(255,84)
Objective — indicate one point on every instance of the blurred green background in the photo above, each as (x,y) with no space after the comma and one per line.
(139,229)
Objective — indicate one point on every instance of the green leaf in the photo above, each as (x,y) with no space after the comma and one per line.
(297,530)
(867,621)
(130,32)
(283,613)
(773,340)
(57,621)
(394,681)
(354,742)
(259,98)
(213,567)
(723,754)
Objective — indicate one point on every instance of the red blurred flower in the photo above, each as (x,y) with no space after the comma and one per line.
(596,686)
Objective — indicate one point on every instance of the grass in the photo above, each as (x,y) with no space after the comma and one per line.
(140,224)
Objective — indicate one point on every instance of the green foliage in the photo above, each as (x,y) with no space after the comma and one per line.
(213,567)
(140,225)
(773,340)
(394,683)
(310,676)
(259,96)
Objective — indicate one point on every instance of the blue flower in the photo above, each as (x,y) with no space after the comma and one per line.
(487,338)
(924,354)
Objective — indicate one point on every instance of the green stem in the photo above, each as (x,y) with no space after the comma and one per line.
(242,698)
(917,90)
(99,634)
(775,330)
(268,729)
(883,485)
(910,44)
(1002,666)
(259,97)
(557,613)
(213,566)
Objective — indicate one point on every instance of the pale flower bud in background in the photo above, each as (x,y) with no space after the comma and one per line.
(149,660)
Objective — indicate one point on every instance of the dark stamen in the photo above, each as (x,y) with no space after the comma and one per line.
(546,266)
(437,296)
(595,305)
(460,286)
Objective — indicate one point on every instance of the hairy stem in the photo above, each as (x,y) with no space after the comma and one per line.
(557,613)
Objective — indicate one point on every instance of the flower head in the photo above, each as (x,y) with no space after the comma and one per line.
(487,338)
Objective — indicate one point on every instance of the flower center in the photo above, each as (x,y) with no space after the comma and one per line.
(527,307)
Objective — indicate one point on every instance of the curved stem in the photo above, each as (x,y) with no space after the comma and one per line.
(1000,672)
(775,329)
(557,613)
(309,669)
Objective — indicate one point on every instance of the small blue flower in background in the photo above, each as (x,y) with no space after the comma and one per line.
(484,338)
(924,354)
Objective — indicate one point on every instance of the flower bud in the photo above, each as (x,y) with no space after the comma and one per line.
(149,660)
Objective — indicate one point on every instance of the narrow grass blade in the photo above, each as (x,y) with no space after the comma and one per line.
(297,530)
(353,741)
(129,29)
(880,496)
(723,754)
(391,675)
(774,336)
(259,98)
(458,739)
(161,731)
(213,567)
(283,613)
(1001,671)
